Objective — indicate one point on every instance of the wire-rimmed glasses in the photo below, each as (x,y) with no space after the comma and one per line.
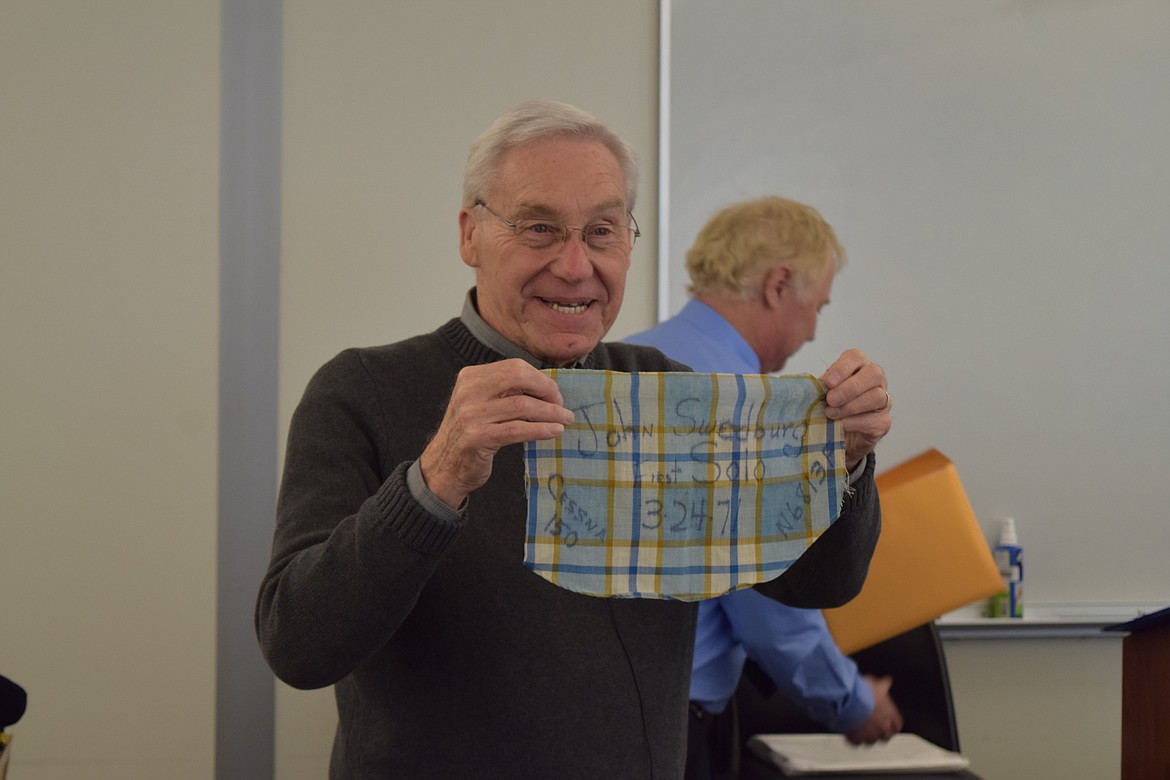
(602,236)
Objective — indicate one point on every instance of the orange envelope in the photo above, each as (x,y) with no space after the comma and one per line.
(931,557)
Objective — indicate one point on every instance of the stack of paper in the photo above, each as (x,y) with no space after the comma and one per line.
(810,754)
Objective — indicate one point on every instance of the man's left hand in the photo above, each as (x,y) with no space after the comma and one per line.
(858,398)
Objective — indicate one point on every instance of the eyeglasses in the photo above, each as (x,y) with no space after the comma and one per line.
(603,237)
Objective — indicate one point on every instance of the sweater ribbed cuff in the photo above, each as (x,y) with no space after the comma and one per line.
(407,518)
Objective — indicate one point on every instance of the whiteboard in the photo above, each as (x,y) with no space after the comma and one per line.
(999,173)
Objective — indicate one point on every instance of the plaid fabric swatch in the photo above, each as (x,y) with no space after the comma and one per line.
(681,485)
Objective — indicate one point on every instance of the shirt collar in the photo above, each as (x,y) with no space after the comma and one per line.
(491,338)
(715,326)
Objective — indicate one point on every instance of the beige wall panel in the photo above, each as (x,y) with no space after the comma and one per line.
(108,393)
(1038,708)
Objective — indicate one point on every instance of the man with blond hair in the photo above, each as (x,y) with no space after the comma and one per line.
(761,272)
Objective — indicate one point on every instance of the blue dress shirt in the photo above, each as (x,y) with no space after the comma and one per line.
(792,645)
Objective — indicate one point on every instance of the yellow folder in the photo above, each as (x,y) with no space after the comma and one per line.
(931,557)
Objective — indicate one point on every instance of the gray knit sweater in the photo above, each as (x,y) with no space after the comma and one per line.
(449,657)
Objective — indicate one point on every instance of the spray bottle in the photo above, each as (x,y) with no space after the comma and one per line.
(1009,558)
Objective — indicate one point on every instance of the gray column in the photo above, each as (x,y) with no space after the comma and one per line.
(248,363)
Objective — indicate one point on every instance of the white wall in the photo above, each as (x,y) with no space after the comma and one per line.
(996,172)
(109,261)
(109,331)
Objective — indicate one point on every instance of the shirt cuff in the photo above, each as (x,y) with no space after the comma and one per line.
(857,473)
(858,708)
(428,500)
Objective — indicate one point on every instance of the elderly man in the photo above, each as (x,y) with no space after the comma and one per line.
(396,571)
(761,272)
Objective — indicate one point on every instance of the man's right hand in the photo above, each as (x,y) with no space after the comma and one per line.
(491,406)
(886,719)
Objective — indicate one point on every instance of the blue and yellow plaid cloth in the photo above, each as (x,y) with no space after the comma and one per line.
(680,485)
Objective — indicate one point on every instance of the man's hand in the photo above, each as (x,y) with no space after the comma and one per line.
(886,719)
(859,399)
(491,407)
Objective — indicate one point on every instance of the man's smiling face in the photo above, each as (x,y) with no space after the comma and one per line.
(554,303)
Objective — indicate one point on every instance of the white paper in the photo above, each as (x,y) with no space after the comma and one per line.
(802,754)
